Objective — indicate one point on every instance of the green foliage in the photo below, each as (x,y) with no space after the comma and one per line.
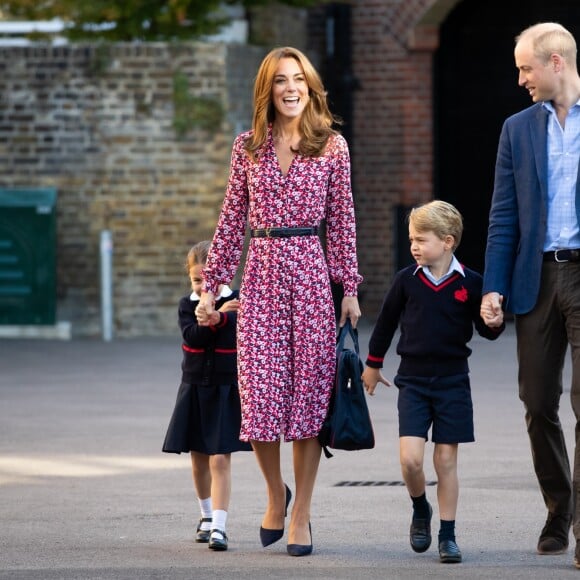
(101,58)
(129,20)
(191,111)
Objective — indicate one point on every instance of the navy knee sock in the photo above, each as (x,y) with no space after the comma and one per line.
(420,506)
(447,530)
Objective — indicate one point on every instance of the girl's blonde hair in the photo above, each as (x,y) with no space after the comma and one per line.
(438,217)
(316,120)
(197,255)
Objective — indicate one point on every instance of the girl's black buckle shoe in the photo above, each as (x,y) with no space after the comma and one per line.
(219,544)
(202,536)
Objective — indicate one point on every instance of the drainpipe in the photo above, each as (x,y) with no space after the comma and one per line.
(107,285)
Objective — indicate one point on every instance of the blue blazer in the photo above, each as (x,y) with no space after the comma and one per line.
(518,215)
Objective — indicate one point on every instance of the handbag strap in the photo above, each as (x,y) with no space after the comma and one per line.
(347,329)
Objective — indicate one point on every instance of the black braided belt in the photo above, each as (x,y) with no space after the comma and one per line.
(284,232)
(562,256)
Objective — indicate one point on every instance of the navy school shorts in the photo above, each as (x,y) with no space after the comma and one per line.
(441,402)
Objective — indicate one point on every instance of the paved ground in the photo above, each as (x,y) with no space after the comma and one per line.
(85,492)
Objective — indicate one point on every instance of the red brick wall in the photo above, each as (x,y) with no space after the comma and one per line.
(393,144)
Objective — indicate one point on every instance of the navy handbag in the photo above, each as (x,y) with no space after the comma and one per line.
(348,423)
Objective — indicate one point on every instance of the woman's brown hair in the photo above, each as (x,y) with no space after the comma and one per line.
(316,121)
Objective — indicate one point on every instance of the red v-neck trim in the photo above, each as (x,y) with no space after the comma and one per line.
(436,287)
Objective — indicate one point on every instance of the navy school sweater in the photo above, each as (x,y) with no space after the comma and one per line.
(209,352)
(436,323)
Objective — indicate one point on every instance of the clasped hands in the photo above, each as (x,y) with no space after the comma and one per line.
(491,310)
(206,313)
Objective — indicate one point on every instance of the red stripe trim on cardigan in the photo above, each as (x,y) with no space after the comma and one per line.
(195,350)
(201,350)
(222,322)
(375,358)
(427,282)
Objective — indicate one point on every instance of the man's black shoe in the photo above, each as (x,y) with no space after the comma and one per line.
(554,537)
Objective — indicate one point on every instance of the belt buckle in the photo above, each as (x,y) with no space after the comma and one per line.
(557,259)
(268,232)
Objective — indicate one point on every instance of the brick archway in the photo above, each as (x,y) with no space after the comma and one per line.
(393,46)
(421,37)
(416,24)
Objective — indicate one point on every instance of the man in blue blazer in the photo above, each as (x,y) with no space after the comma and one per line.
(532,262)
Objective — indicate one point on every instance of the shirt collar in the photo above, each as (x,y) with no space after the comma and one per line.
(455,266)
(550,107)
(225,292)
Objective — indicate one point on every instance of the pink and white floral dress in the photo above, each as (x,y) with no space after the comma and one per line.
(286,323)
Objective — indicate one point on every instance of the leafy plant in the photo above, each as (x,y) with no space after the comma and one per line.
(129,20)
(193,111)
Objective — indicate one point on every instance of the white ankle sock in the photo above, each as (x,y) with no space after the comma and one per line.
(206,512)
(218,521)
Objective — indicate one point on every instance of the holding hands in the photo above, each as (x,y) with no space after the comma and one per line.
(491,310)
(206,313)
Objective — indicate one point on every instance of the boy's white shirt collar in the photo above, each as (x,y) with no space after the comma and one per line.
(225,292)
(455,266)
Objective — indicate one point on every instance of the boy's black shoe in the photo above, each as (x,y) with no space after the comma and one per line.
(420,533)
(449,552)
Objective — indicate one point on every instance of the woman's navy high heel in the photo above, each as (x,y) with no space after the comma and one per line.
(301,549)
(268,536)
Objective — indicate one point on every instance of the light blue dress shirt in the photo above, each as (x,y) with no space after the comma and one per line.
(563,158)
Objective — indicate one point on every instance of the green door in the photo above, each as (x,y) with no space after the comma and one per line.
(27,256)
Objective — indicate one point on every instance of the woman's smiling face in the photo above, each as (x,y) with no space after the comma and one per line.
(289,89)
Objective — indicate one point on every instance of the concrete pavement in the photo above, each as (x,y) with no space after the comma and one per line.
(85,492)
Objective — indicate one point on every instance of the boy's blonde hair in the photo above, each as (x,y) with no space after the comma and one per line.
(438,217)
(197,255)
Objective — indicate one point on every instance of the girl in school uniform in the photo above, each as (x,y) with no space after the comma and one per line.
(206,419)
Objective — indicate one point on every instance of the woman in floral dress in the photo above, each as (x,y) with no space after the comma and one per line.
(287,175)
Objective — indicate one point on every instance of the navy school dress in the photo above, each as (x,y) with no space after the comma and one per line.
(207,414)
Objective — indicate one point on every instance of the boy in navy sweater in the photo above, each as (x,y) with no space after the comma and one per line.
(436,303)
